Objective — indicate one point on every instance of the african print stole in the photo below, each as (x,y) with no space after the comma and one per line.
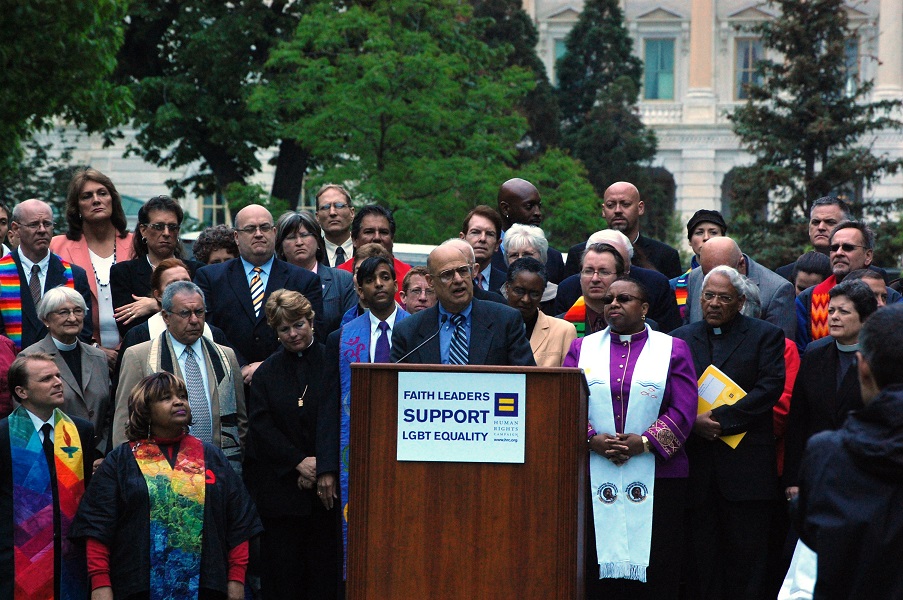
(33,518)
(11,297)
(176,497)
(818,309)
(622,496)
(577,315)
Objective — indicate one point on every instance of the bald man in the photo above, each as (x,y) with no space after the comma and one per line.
(232,287)
(519,202)
(460,329)
(776,293)
(622,208)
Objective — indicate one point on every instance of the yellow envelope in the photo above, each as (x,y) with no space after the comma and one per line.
(717,389)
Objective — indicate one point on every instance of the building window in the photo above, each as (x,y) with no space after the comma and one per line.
(214,211)
(851,52)
(659,64)
(749,52)
(560,51)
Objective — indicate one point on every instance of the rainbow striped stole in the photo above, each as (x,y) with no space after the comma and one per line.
(176,496)
(680,294)
(11,297)
(33,531)
(577,315)
(818,310)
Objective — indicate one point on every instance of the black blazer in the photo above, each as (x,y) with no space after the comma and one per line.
(554,264)
(663,257)
(754,359)
(134,277)
(497,278)
(7,566)
(662,303)
(817,404)
(33,329)
(497,336)
(281,434)
(229,305)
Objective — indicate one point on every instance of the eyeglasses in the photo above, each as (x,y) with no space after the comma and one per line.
(67,312)
(325,208)
(34,226)
(622,298)
(417,292)
(186,314)
(602,273)
(301,234)
(521,292)
(723,298)
(172,227)
(846,247)
(252,229)
(448,275)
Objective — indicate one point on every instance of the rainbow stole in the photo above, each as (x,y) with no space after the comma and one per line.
(577,315)
(11,296)
(33,508)
(681,294)
(176,496)
(818,310)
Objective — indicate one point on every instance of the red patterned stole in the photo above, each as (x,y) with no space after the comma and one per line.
(818,310)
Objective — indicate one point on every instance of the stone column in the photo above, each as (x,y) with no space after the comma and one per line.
(889,82)
(700,102)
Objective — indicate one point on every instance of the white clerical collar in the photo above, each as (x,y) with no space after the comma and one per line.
(61,346)
(846,347)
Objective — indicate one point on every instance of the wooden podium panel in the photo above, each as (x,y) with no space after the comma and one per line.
(420,530)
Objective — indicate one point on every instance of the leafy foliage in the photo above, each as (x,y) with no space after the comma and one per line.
(44,173)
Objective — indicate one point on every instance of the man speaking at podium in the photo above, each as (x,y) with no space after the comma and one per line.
(460,329)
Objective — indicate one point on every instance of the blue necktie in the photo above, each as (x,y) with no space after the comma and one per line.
(381,355)
(457,350)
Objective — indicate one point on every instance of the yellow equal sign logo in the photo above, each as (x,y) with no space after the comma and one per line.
(506,405)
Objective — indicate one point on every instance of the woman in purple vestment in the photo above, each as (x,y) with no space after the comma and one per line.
(622,346)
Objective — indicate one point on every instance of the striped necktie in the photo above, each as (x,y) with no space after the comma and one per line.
(34,284)
(457,350)
(257,291)
(201,426)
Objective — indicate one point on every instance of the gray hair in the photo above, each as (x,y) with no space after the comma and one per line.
(739,281)
(753,305)
(520,236)
(608,235)
(179,287)
(57,297)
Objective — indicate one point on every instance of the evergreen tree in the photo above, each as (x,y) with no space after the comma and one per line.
(599,82)
(807,128)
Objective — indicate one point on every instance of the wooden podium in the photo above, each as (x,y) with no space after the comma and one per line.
(420,530)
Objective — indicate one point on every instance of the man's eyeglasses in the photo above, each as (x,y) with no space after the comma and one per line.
(723,298)
(186,314)
(417,292)
(590,273)
(252,229)
(67,312)
(622,298)
(35,225)
(448,275)
(846,247)
(521,292)
(325,208)
(172,227)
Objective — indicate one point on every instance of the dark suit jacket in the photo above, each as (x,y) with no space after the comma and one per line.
(786,271)
(662,304)
(134,277)
(339,295)
(817,404)
(497,278)
(497,337)
(229,305)
(7,562)
(554,264)
(33,330)
(754,359)
(282,434)
(663,257)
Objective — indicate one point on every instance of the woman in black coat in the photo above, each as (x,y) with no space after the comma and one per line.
(293,458)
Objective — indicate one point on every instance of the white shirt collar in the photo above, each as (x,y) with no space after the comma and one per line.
(374,322)
(26,263)
(37,422)
(179,348)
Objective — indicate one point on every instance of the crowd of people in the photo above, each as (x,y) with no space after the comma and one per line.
(179,427)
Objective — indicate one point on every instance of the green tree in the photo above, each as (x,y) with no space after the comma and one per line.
(191,65)
(598,88)
(806,126)
(56,63)
(403,100)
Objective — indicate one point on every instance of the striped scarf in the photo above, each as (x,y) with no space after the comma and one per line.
(11,296)
(176,497)
(577,315)
(818,310)
(680,294)
(33,508)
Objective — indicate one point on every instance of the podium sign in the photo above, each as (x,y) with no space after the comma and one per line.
(461,417)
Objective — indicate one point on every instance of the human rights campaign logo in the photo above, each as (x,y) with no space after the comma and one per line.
(506,405)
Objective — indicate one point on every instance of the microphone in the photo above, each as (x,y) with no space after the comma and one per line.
(442,321)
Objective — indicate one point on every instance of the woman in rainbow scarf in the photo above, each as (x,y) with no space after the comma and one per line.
(165,516)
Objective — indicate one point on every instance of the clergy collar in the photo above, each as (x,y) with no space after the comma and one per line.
(723,330)
(847,348)
(633,337)
(64,347)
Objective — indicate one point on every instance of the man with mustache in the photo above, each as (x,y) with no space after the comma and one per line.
(29,271)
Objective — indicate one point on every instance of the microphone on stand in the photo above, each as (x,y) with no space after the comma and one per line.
(442,321)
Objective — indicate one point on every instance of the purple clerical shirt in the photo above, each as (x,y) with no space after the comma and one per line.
(669,432)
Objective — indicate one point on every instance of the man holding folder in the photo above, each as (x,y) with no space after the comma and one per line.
(731,488)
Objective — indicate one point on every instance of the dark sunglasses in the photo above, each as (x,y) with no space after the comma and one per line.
(622,298)
(846,247)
